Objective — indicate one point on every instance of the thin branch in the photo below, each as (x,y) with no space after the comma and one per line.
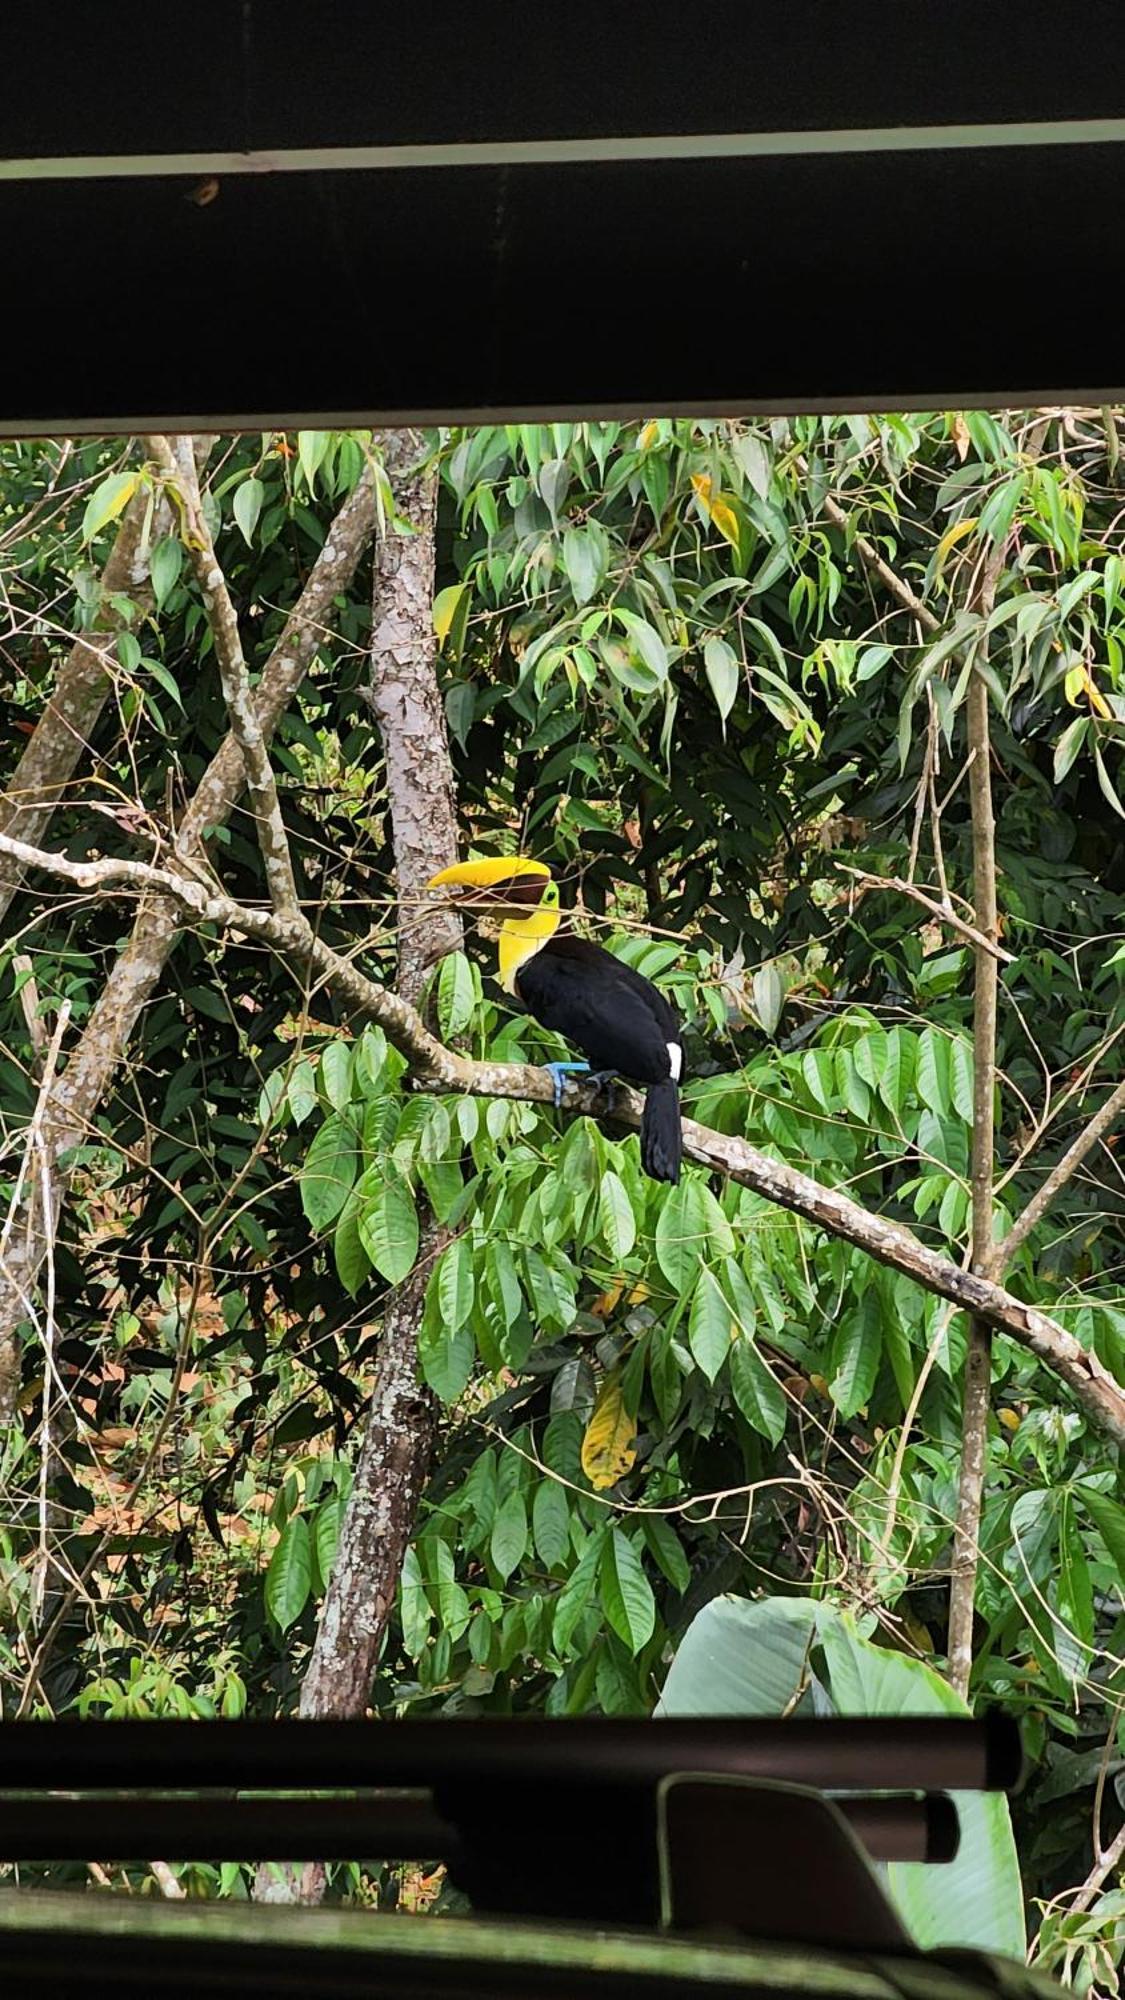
(177,462)
(986,988)
(1107,1861)
(942,912)
(873,561)
(438,1068)
(1060,1174)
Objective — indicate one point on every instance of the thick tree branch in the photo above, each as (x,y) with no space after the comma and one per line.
(399,1423)
(177,462)
(438,1068)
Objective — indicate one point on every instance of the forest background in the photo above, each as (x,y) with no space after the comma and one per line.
(337,1369)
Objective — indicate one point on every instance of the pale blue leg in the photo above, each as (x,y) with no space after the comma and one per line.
(558,1071)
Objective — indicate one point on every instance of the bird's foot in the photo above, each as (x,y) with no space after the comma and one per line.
(558,1073)
(607,1081)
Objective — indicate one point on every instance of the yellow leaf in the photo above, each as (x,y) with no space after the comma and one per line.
(1009,1419)
(949,540)
(726,521)
(1079,681)
(607,1448)
(714,507)
(639,1294)
(649,434)
(604,1303)
(445,609)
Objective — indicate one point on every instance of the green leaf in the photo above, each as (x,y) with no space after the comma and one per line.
(626,1593)
(582,563)
(1108,1518)
(961,1078)
(550,1522)
(326,1535)
(456,994)
(446,1355)
(740,1657)
(248,499)
(856,1350)
(311,449)
(164,565)
(769,996)
(289,1576)
(509,1534)
(709,1325)
(414,1606)
(1069,745)
(353,1266)
(615,1215)
(648,645)
(756,1389)
(576,1592)
(388,1230)
(722,668)
(691,1225)
(554,484)
(933,1071)
(455,1288)
(336,1073)
(329,1171)
(107,501)
(667,1551)
(755,1658)
(976,1900)
(303,1091)
(503,1283)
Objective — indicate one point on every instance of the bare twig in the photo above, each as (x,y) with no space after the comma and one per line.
(177,461)
(1107,1862)
(942,911)
(1060,1174)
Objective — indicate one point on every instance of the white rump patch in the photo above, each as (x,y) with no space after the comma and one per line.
(676,1060)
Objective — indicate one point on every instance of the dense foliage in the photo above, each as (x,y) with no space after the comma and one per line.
(674,667)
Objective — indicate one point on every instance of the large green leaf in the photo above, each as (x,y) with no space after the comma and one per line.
(977,1899)
(615,1212)
(388,1230)
(740,1657)
(710,1324)
(329,1171)
(627,1598)
(690,1229)
(289,1576)
(509,1534)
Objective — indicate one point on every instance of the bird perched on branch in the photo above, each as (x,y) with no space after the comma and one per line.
(619,1020)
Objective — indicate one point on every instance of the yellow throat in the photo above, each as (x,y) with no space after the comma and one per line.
(520,938)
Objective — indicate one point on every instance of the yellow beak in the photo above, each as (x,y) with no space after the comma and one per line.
(486,874)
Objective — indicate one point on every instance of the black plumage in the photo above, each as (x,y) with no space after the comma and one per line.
(620,1022)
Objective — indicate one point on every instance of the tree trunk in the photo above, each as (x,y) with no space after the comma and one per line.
(394,1461)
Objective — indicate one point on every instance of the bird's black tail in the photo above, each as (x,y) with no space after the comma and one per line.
(662,1135)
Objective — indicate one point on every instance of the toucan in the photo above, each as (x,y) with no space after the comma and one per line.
(619,1020)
